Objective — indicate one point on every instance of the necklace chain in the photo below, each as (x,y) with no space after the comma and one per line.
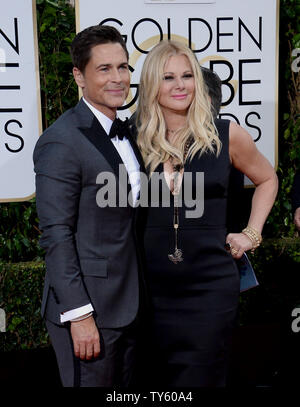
(177,255)
(174,131)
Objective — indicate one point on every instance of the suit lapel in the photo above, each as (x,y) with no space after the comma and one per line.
(98,137)
(94,132)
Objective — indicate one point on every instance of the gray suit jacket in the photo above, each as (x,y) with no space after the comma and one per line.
(91,252)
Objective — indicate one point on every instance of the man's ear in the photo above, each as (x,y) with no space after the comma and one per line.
(79,77)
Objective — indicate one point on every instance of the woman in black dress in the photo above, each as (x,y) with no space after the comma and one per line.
(193,280)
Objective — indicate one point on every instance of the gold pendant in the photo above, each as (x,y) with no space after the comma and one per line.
(176,257)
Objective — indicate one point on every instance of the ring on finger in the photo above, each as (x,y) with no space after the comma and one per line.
(228,246)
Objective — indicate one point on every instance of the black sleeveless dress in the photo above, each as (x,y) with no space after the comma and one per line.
(194,302)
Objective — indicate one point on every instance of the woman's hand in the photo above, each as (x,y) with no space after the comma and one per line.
(238,243)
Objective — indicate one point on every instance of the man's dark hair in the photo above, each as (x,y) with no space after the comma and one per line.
(85,40)
(214,85)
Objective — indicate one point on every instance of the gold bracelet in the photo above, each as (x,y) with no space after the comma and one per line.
(254,236)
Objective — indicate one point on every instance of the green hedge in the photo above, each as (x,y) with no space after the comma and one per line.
(276,264)
(20,296)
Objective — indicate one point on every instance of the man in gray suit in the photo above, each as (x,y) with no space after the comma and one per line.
(93,283)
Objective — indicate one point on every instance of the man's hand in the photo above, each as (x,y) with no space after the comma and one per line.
(297,218)
(86,339)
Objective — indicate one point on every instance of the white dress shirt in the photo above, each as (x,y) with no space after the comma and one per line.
(133,168)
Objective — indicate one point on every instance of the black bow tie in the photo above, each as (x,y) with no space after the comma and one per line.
(119,129)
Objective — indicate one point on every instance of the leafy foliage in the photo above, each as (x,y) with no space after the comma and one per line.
(281,218)
(20,296)
(19,231)
(56,30)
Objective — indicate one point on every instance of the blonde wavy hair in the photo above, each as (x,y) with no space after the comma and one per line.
(151,125)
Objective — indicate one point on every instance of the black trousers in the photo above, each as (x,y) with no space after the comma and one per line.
(114,367)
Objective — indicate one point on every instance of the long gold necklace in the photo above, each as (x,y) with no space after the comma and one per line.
(177,256)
